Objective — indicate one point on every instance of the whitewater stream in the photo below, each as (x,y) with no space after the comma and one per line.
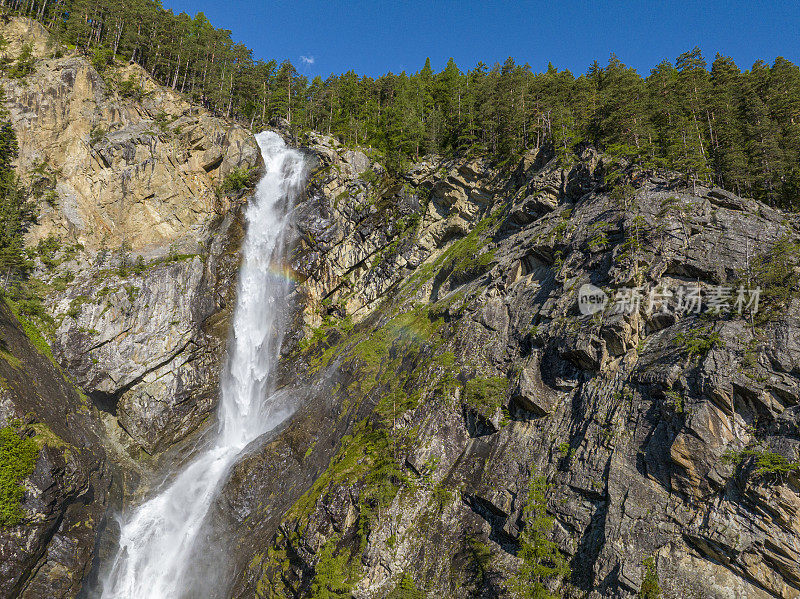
(159,536)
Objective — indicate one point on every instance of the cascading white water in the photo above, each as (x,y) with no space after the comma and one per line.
(158,537)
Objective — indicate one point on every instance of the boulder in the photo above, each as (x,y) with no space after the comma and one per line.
(530,392)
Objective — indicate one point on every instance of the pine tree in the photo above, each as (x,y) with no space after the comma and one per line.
(692,85)
(739,130)
(17,212)
(542,561)
(621,123)
(762,133)
(727,142)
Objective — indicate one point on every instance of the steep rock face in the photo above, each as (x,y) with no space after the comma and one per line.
(147,346)
(438,325)
(136,171)
(49,552)
(136,247)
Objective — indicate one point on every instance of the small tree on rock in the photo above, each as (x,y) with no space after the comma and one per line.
(542,561)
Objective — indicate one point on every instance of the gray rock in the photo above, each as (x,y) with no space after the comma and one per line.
(530,392)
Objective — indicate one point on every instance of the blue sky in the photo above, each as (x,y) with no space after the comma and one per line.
(375,37)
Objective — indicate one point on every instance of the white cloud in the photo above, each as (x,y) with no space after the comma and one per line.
(307,59)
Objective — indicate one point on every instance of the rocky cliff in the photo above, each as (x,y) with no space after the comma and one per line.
(133,232)
(443,363)
(135,256)
(437,355)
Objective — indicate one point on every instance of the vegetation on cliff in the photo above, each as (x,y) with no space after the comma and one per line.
(17,212)
(542,561)
(17,460)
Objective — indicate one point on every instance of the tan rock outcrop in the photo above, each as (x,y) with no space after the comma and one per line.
(129,172)
(142,172)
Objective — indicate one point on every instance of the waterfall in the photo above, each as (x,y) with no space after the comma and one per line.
(159,536)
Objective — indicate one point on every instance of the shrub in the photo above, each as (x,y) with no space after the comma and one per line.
(650,587)
(48,249)
(17,461)
(139,266)
(485,394)
(674,400)
(774,273)
(599,238)
(162,120)
(406,589)
(102,58)
(332,577)
(76,305)
(17,211)
(96,134)
(370,176)
(25,63)
(542,560)
(698,342)
(768,464)
(130,88)
(236,180)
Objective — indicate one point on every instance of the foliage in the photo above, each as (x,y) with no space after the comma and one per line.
(17,460)
(773,272)
(17,212)
(76,305)
(25,63)
(102,57)
(542,561)
(47,250)
(768,464)
(370,176)
(97,133)
(565,449)
(406,589)
(130,88)
(332,575)
(485,394)
(468,261)
(650,587)
(480,555)
(674,400)
(598,238)
(236,180)
(23,314)
(736,129)
(697,342)
(363,455)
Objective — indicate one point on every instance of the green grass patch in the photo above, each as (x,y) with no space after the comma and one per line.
(466,258)
(364,456)
(32,332)
(650,586)
(333,576)
(76,305)
(12,360)
(486,395)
